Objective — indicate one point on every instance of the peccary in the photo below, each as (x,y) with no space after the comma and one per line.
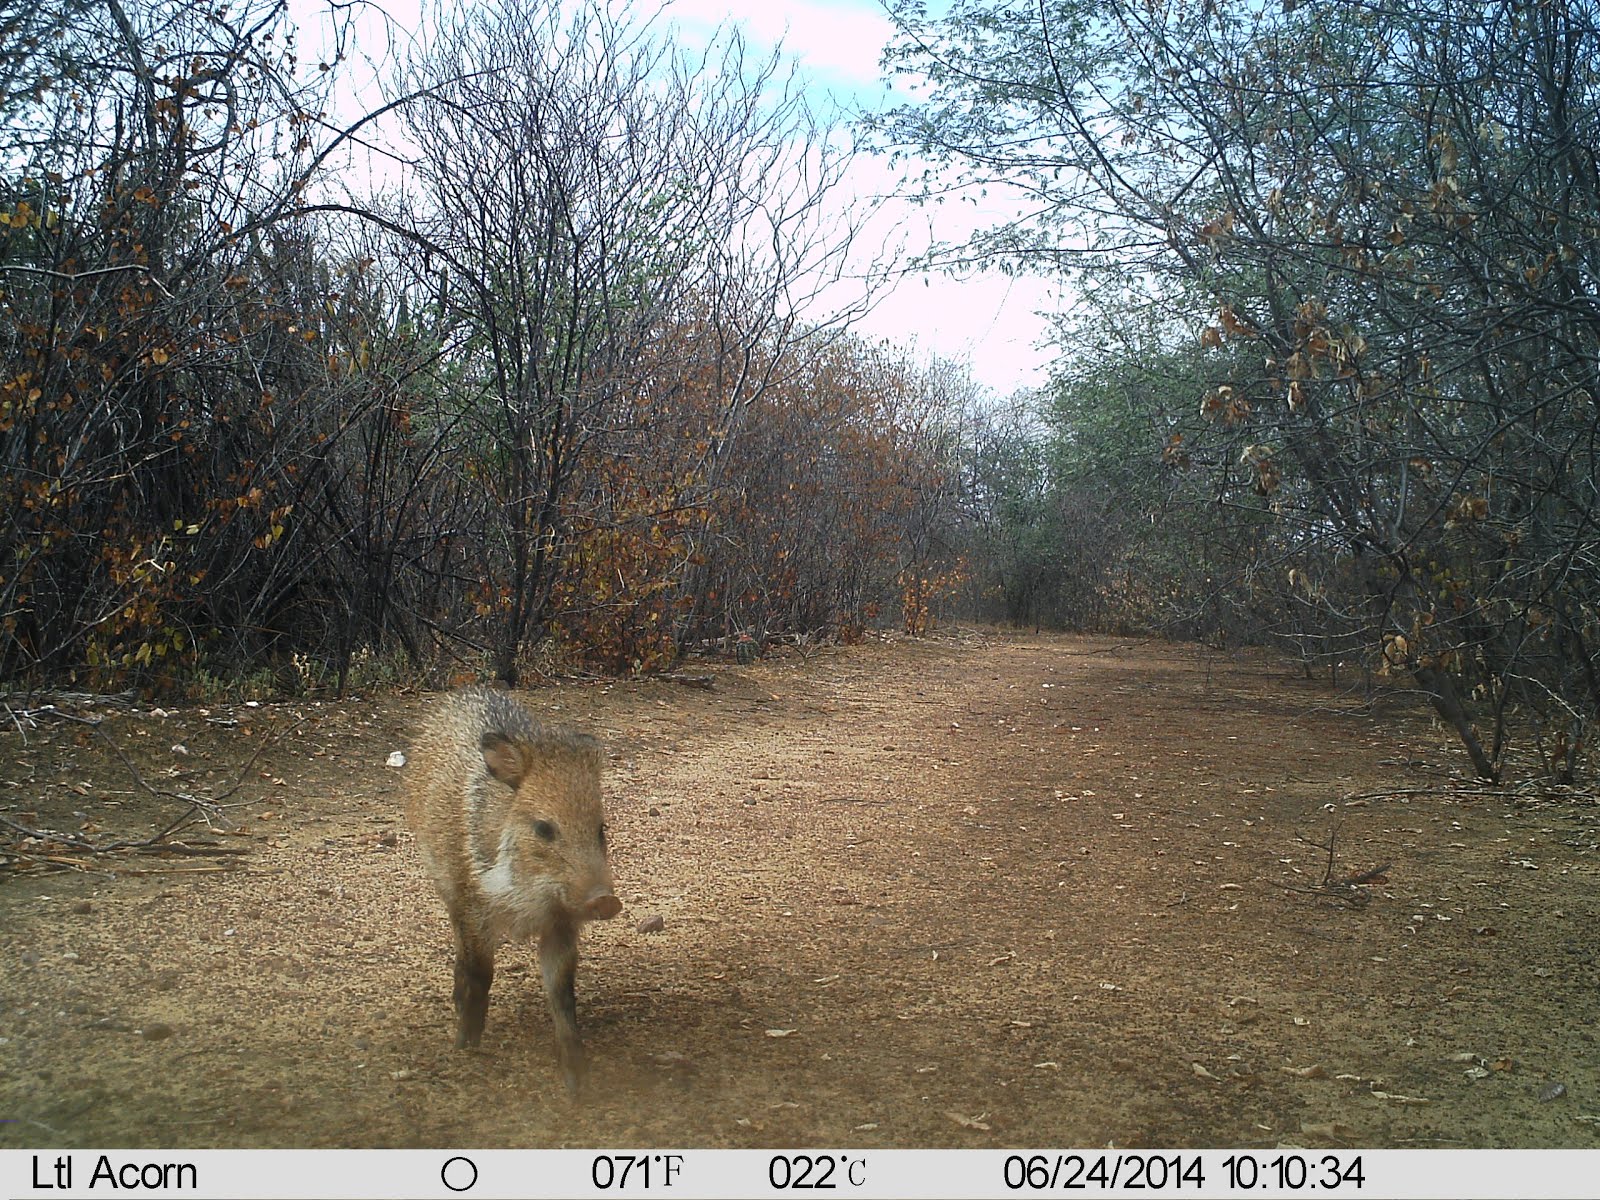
(509,821)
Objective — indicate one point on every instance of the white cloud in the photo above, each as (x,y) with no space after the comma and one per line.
(986,319)
(836,41)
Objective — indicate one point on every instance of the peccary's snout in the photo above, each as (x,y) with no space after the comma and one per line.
(602,904)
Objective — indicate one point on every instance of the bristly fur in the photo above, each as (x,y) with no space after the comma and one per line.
(510,825)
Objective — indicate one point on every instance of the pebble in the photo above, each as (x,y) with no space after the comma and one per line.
(653,924)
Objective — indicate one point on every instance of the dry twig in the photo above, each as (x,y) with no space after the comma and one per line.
(208,808)
(1347,889)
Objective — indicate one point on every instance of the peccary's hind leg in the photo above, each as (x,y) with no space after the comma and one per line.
(474,974)
(558,963)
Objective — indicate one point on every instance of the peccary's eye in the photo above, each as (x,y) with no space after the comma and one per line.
(545,830)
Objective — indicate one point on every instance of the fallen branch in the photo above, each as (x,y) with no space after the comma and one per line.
(152,845)
(209,808)
(698,681)
(1348,888)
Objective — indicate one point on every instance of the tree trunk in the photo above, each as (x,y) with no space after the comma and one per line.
(1446,700)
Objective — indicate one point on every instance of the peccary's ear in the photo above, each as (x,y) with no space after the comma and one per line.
(504,759)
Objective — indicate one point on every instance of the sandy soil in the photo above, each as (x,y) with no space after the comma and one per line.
(981,890)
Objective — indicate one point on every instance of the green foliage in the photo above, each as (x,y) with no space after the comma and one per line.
(1366,236)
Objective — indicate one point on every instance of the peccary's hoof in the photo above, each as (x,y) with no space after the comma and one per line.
(574,1071)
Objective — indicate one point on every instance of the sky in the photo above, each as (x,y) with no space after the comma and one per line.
(986,320)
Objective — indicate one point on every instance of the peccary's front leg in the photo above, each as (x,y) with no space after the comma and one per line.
(558,963)
(474,974)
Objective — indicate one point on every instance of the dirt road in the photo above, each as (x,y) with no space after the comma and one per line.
(981,890)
